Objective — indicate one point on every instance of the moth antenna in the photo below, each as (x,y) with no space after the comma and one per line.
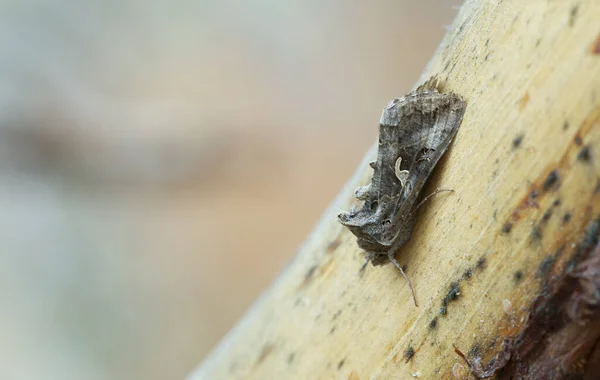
(437,191)
(393,260)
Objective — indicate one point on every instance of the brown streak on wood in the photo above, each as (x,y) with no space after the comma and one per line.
(265,352)
(595,49)
(524,100)
(326,269)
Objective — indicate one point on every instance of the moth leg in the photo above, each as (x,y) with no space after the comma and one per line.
(437,191)
(361,193)
(362,268)
(393,260)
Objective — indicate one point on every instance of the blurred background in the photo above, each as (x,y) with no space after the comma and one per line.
(161,161)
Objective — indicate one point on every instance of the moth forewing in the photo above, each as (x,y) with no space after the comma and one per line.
(414,133)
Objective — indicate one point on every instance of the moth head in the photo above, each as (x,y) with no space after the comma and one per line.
(373,228)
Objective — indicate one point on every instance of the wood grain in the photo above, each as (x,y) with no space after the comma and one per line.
(524,168)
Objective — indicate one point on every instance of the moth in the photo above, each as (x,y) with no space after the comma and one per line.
(414,133)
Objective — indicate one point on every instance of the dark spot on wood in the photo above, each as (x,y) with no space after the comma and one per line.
(592,235)
(266,351)
(408,354)
(487,42)
(433,324)
(446,66)
(336,315)
(566,218)
(547,215)
(519,341)
(573,15)
(507,227)
(536,234)
(517,276)
(481,263)
(517,141)
(333,245)
(332,330)
(486,57)
(529,202)
(308,275)
(452,69)
(471,226)
(565,125)
(556,203)
(452,294)
(538,42)
(545,266)
(589,240)
(291,358)
(341,363)
(443,310)
(361,271)
(585,154)
(474,351)
(578,140)
(551,181)
(492,367)
(533,194)
(468,274)
(493,341)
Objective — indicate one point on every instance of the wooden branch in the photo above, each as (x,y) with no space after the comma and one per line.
(488,260)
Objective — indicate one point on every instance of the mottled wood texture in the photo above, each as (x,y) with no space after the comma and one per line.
(525,169)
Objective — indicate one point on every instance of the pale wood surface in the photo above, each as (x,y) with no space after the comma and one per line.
(531,78)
